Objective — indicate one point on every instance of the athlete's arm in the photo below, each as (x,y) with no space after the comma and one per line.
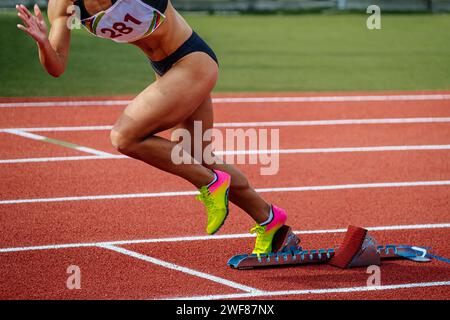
(53,46)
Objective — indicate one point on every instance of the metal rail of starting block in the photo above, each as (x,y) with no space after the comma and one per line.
(369,254)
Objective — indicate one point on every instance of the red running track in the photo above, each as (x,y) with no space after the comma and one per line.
(39,240)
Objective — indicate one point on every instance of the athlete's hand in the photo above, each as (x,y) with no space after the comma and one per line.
(34,25)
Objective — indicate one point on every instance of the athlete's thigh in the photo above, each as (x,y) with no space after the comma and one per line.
(201,120)
(203,116)
(171,99)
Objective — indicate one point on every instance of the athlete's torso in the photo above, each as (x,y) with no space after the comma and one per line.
(152,25)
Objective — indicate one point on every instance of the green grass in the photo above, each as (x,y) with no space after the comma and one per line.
(311,52)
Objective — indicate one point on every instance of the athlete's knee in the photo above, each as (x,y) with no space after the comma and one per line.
(122,142)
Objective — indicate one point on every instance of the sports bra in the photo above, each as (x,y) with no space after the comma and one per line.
(125,20)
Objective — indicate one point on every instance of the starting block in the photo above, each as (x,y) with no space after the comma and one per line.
(357,250)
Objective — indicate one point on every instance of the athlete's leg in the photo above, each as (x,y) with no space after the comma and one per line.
(241,193)
(170,100)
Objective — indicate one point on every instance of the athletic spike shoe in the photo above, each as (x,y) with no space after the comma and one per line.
(265,233)
(215,198)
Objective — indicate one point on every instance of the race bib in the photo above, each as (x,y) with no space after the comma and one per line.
(125,21)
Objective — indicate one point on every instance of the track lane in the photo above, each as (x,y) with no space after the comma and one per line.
(226,112)
(128,176)
(31,224)
(307,137)
(104,275)
(315,277)
(109,220)
(15,147)
(315,137)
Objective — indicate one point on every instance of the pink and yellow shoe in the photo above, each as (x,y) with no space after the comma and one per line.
(265,242)
(215,198)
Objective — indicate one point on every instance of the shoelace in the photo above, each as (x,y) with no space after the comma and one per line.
(259,231)
(207,200)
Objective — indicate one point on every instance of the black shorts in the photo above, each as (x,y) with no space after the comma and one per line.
(193,44)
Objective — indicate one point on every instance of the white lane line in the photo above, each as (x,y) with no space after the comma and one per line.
(63,129)
(336,150)
(25,134)
(103,197)
(57,159)
(261,190)
(70,129)
(357,98)
(365,98)
(333,122)
(315,291)
(185,270)
(61,143)
(260,124)
(61,104)
(94,151)
(215,237)
(244,152)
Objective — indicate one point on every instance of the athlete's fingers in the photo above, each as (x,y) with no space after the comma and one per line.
(26,10)
(24,19)
(21,27)
(41,24)
(25,29)
(28,31)
(28,20)
(20,10)
(38,13)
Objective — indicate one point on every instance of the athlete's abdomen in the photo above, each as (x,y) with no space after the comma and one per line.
(167,38)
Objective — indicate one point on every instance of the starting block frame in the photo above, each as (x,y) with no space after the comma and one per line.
(370,253)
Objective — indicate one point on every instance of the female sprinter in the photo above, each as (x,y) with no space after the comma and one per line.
(186,72)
